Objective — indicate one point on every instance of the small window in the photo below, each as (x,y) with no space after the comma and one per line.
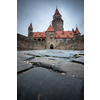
(67,35)
(35,35)
(70,33)
(62,33)
(40,34)
(58,35)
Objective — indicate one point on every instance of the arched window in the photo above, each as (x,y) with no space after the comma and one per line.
(38,39)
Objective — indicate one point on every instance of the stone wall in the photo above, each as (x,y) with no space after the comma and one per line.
(24,43)
(39,46)
(77,43)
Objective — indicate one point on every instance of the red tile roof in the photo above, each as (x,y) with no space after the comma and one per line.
(58,34)
(30,25)
(50,28)
(65,34)
(39,34)
(56,12)
(77,31)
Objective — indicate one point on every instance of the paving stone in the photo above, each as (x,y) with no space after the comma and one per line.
(79,60)
(22,65)
(71,68)
(44,84)
(22,56)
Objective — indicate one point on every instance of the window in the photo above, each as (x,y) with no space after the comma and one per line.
(64,39)
(40,34)
(67,35)
(58,35)
(62,33)
(70,33)
(35,35)
(43,39)
(38,39)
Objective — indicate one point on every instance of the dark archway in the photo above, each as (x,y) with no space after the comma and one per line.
(51,46)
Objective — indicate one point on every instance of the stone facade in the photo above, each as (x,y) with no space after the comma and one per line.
(57,24)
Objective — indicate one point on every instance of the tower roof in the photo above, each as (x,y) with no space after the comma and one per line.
(50,28)
(77,31)
(57,12)
(30,25)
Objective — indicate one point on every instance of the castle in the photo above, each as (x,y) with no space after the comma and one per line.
(53,38)
(55,33)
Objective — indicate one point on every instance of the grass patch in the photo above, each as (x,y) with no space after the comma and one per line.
(33,64)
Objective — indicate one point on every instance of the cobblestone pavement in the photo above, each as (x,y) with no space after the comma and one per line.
(41,78)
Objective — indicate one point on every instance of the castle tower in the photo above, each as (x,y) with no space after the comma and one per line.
(57,22)
(77,33)
(50,37)
(30,31)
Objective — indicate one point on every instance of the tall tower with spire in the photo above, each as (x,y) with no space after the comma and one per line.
(30,31)
(57,22)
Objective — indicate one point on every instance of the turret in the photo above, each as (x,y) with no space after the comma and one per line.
(57,22)
(77,33)
(30,31)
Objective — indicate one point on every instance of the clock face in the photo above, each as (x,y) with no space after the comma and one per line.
(58,24)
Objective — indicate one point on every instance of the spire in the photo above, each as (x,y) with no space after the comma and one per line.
(77,31)
(56,12)
(30,25)
(50,28)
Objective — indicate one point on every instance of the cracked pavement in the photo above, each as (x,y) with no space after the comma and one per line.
(49,79)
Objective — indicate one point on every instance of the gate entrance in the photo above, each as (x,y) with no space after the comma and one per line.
(51,46)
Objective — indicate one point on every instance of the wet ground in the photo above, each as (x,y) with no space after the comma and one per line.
(50,74)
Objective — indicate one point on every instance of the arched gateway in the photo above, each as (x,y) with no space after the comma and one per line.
(51,46)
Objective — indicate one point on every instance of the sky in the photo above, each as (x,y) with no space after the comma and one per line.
(40,14)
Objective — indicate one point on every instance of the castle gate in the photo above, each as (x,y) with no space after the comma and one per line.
(51,46)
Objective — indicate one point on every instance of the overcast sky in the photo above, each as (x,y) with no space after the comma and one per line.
(40,13)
